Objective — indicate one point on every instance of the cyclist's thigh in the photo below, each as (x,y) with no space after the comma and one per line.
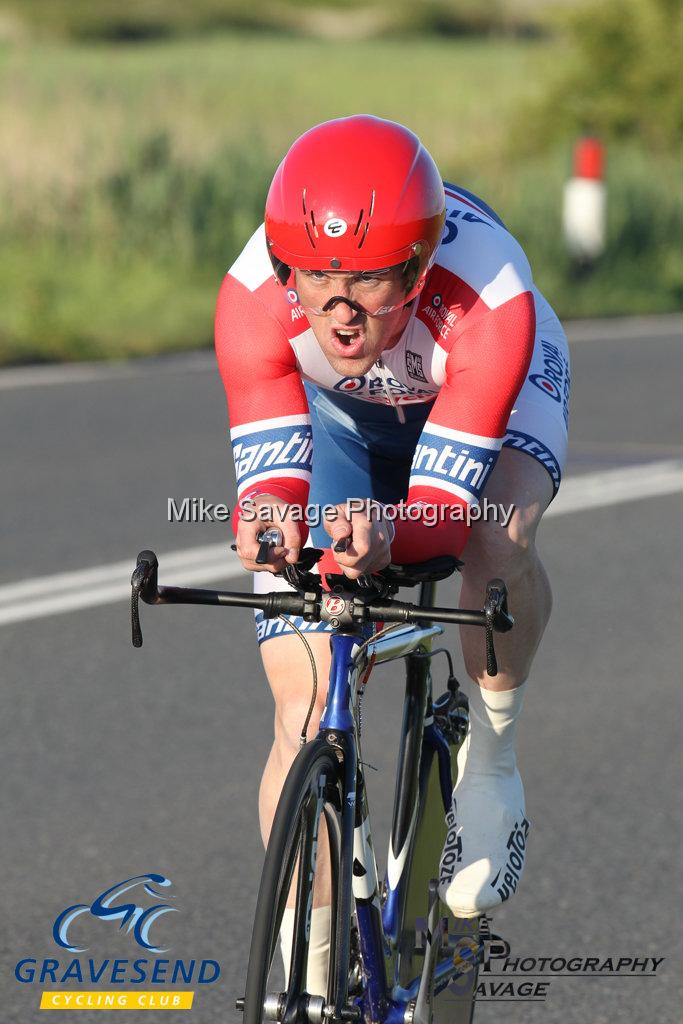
(522,489)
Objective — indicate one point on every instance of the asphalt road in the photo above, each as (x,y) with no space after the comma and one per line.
(118,762)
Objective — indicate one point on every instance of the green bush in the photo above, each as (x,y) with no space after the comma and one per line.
(138,20)
(132,176)
(623,79)
(641,270)
(136,267)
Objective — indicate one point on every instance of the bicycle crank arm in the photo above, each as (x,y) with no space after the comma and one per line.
(309,1008)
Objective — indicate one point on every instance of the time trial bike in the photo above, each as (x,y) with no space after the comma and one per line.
(397,954)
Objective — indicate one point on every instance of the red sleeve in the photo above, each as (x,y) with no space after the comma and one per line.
(459,444)
(270,424)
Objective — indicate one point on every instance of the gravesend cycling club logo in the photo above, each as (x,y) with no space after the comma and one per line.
(105,908)
(136,907)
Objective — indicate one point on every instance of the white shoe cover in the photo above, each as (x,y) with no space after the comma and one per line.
(483,857)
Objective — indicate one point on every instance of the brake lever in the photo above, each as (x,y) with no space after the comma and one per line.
(144,578)
(497,618)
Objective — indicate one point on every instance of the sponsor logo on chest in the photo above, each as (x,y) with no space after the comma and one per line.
(378,389)
(414,366)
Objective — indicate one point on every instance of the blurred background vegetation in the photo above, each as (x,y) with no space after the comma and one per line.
(137,141)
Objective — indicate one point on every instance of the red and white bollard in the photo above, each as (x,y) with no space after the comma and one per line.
(585,203)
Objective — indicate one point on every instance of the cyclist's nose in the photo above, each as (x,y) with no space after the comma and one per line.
(344,310)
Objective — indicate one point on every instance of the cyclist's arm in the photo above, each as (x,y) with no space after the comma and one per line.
(270,425)
(460,442)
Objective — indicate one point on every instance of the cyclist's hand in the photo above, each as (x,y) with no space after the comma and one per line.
(370,546)
(252,523)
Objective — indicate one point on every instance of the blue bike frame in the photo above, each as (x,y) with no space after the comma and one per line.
(385,941)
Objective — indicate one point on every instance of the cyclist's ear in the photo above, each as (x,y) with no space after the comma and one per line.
(410,271)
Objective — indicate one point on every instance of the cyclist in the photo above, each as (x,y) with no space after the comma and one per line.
(380,336)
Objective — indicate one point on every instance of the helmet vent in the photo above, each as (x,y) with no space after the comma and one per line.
(367,223)
(303,201)
(310,236)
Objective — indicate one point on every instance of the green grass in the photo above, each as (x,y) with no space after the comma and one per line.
(95,102)
(130,176)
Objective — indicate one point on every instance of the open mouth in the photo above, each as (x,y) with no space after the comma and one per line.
(348,341)
(347,337)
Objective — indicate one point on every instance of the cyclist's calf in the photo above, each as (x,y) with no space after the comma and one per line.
(510,553)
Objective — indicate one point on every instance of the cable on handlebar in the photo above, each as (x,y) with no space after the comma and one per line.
(371,640)
(314,670)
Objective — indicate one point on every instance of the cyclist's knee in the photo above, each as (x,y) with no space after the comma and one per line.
(496,550)
(290,677)
(505,545)
(290,717)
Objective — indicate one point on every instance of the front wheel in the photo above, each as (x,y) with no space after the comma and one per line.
(313,790)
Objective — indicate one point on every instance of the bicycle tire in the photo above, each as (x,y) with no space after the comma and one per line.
(292,829)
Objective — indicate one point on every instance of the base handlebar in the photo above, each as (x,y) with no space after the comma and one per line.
(361,607)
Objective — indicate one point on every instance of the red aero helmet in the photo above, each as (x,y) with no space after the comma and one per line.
(358,193)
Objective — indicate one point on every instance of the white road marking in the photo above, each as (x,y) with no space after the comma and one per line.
(614,486)
(104,584)
(84,373)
